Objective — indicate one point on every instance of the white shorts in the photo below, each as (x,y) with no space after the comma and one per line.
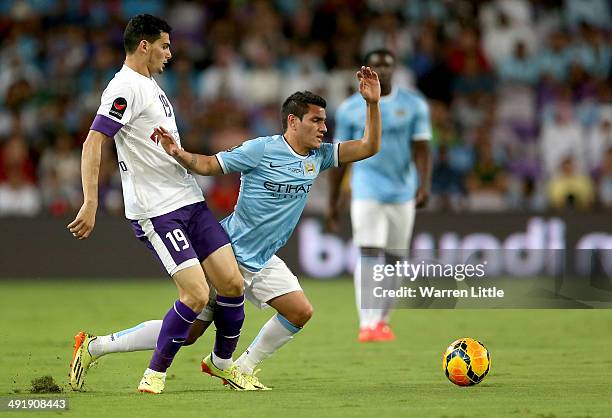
(382,225)
(274,280)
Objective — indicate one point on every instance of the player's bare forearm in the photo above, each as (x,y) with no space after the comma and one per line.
(369,145)
(423,163)
(422,160)
(204,165)
(83,224)
(369,87)
(336,175)
(373,130)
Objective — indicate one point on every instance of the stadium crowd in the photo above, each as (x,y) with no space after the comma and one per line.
(519,91)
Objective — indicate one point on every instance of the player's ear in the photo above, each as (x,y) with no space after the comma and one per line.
(143,45)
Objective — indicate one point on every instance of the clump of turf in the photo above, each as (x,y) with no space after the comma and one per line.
(45,384)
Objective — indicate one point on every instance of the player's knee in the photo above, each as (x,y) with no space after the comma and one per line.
(301,316)
(233,288)
(196,299)
(307,313)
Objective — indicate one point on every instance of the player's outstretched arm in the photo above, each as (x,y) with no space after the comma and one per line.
(85,220)
(204,165)
(359,149)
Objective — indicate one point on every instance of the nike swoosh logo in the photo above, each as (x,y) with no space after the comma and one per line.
(178,341)
(119,107)
(283,165)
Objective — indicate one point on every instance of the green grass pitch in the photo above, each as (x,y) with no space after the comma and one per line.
(545,363)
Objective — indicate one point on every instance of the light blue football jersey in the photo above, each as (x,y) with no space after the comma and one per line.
(274,185)
(389,176)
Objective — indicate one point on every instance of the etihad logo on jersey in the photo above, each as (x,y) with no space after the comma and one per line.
(118,107)
(290,191)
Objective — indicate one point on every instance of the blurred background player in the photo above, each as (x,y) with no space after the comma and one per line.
(385,188)
(277,175)
(166,209)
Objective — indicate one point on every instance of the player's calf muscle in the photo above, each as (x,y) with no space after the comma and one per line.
(196,331)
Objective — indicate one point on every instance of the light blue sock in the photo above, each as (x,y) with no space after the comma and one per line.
(277,332)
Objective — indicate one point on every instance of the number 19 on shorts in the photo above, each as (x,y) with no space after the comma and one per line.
(177,237)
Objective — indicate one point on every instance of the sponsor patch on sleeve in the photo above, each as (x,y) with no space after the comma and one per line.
(118,108)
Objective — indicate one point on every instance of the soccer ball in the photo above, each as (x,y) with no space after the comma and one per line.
(466,362)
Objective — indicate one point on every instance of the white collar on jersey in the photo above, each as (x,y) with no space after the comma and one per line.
(302,157)
(128,69)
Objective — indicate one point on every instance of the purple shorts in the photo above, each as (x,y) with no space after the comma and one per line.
(182,238)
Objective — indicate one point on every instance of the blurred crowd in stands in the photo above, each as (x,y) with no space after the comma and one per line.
(519,91)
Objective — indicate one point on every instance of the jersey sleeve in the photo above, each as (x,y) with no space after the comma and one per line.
(243,157)
(421,130)
(117,106)
(344,129)
(329,155)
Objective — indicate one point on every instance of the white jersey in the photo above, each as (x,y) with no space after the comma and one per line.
(153,182)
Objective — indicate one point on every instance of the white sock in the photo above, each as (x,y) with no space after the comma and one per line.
(275,333)
(383,315)
(221,363)
(391,257)
(368,317)
(141,337)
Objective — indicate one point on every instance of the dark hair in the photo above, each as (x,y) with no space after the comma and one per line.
(381,51)
(145,27)
(297,104)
